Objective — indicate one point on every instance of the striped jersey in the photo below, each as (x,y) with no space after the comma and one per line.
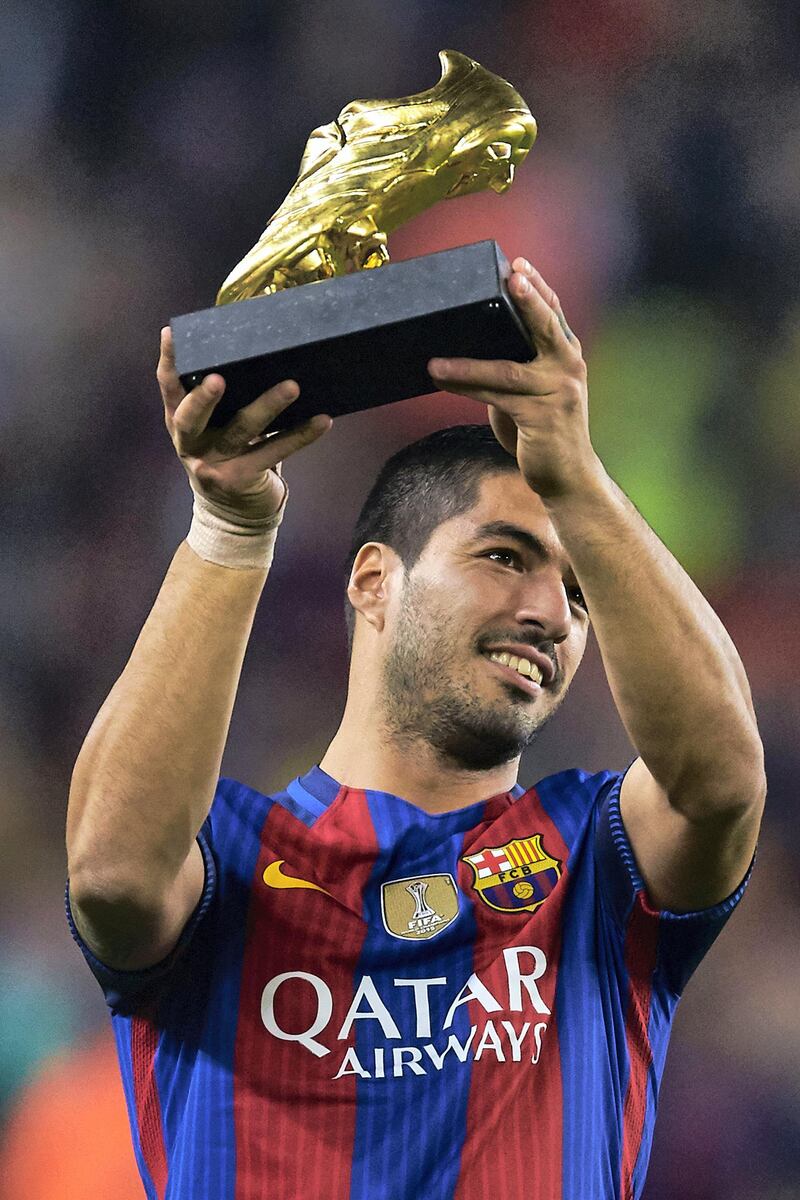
(373,1002)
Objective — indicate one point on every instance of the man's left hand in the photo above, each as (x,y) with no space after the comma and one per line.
(539,410)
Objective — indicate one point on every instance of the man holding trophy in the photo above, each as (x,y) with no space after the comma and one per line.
(405,974)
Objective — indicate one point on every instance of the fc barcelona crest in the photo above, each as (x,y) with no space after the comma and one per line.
(517,877)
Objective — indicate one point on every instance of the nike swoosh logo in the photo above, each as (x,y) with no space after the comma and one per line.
(274,877)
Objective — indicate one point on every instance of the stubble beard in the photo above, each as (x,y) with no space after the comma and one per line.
(422,702)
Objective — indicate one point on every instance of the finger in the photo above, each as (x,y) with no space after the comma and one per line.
(540,318)
(517,407)
(172,391)
(523,267)
(504,429)
(192,415)
(252,420)
(271,450)
(500,375)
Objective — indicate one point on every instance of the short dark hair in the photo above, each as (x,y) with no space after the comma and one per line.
(421,486)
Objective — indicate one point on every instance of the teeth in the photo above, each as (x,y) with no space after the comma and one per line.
(523,665)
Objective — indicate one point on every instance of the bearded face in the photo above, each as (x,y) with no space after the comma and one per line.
(437,689)
(444,680)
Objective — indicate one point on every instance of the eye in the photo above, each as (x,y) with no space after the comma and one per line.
(499,150)
(575,596)
(508,554)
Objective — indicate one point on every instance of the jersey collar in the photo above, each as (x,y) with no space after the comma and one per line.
(317,790)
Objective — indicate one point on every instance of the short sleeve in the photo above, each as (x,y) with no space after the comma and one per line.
(128,991)
(683,939)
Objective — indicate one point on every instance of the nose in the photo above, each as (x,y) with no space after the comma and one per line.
(543,602)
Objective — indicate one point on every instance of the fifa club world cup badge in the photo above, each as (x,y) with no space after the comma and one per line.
(517,877)
(419,907)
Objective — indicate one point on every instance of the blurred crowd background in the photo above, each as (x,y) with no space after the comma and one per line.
(143,146)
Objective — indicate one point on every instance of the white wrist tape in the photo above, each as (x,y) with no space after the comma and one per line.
(240,542)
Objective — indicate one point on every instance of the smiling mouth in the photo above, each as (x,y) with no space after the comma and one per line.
(529,686)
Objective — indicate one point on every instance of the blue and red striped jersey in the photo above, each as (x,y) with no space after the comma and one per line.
(374,1002)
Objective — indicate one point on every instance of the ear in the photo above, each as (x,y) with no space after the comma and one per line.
(369,588)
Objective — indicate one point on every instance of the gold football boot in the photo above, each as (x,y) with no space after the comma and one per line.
(380,163)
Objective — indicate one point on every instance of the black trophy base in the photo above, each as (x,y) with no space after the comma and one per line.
(356,341)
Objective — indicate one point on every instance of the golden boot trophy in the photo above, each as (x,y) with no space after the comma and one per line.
(362,337)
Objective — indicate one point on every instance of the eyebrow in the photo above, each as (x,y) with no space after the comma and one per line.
(503,529)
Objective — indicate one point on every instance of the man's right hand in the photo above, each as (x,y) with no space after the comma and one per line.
(233,466)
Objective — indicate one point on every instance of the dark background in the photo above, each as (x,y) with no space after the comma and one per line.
(143,147)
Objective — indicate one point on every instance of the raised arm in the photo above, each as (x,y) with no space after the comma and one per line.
(692,802)
(146,774)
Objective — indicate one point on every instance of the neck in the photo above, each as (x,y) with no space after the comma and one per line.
(362,755)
